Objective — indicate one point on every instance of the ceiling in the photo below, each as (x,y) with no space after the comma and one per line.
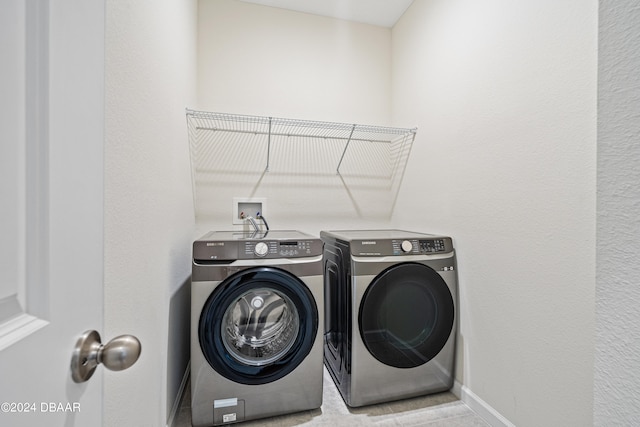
(383,13)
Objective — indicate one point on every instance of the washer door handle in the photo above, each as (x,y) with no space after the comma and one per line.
(116,355)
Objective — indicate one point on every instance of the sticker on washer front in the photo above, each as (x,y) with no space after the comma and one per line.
(228,410)
(225,403)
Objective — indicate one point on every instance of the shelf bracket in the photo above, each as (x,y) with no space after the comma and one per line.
(268,145)
(345,149)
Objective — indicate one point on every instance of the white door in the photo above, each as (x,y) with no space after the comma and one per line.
(51,207)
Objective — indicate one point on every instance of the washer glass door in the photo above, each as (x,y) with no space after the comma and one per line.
(258,325)
(406,315)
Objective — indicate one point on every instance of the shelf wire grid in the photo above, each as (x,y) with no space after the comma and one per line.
(232,150)
(210,132)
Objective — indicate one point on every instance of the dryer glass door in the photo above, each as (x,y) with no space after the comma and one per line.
(406,315)
(258,325)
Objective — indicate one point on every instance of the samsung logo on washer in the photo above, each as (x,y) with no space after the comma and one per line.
(369,242)
(215,243)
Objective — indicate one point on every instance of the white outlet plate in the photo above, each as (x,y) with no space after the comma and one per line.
(250,206)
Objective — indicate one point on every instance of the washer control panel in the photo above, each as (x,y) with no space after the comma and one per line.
(223,247)
(278,249)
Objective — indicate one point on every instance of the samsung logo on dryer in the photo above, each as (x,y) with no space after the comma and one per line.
(215,243)
(369,242)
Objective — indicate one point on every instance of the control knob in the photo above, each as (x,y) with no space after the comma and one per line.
(406,246)
(261,249)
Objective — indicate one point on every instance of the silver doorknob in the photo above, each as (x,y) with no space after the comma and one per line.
(116,355)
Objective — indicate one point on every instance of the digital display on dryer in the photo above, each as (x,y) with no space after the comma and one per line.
(435,245)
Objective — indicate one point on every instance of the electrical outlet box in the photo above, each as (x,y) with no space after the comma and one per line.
(250,206)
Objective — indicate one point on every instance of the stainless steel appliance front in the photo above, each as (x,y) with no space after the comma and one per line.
(390,320)
(256,326)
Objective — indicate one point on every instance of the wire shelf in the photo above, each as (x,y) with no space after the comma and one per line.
(211,133)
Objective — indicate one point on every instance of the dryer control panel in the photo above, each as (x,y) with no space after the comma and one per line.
(393,247)
(435,245)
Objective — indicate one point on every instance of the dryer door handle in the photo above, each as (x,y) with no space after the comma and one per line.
(116,355)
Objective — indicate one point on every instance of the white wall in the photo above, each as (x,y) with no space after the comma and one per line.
(150,79)
(274,62)
(504,97)
(617,366)
(265,61)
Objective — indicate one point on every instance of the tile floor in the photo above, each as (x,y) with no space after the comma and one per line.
(438,410)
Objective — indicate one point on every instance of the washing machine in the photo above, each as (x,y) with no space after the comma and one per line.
(256,325)
(390,313)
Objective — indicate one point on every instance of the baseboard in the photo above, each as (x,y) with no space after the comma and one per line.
(175,408)
(480,407)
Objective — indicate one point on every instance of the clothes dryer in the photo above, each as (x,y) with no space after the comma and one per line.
(390,319)
(256,326)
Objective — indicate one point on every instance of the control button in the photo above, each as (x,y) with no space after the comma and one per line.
(406,246)
(261,249)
